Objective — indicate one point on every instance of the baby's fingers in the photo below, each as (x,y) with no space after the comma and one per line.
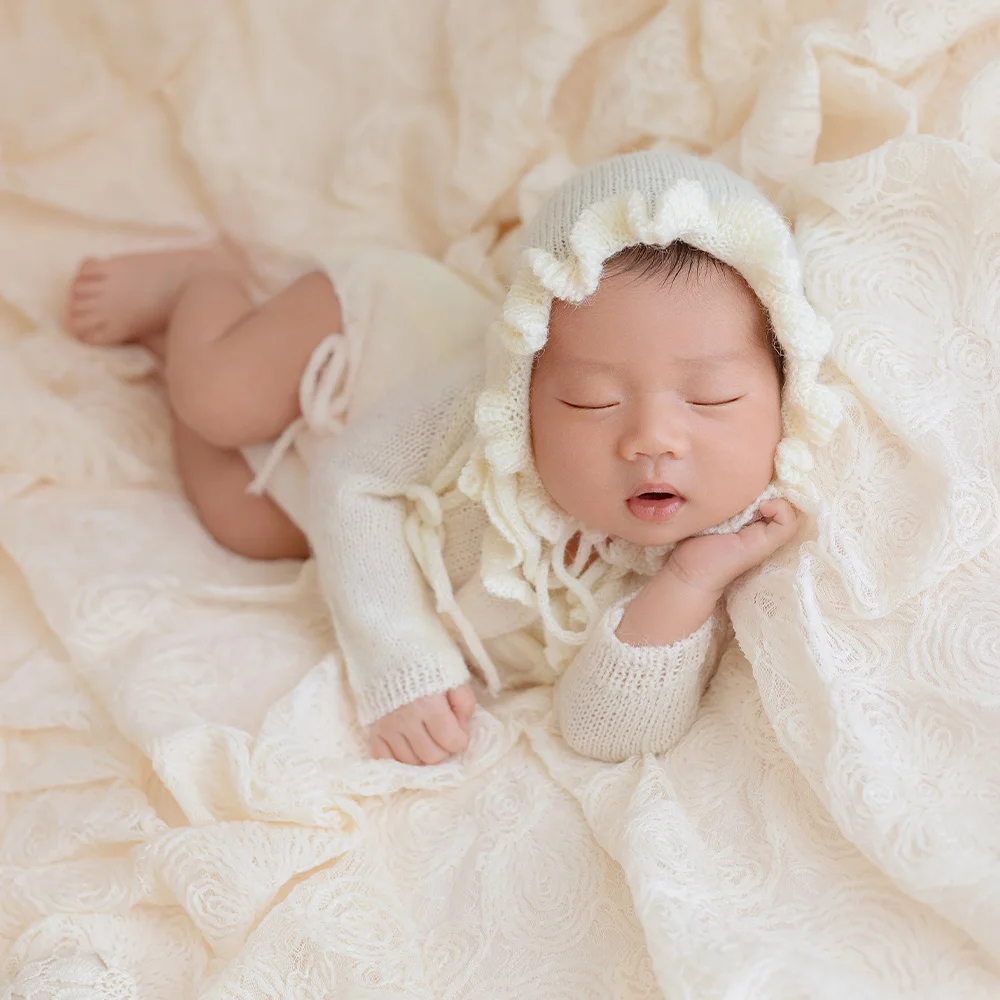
(463,704)
(424,745)
(778,526)
(446,730)
(779,512)
(401,749)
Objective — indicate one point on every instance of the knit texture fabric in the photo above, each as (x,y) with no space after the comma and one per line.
(650,693)
(647,173)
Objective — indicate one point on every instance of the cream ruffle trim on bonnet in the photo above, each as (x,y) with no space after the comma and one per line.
(639,198)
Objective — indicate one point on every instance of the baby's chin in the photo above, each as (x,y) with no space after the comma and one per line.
(652,537)
(643,534)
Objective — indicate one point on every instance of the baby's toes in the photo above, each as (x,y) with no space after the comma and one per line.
(86,322)
(97,333)
(85,310)
(81,310)
(87,331)
(86,291)
(90,270)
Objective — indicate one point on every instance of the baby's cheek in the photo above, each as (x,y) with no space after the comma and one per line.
(551,452)
(758,428)
(572,469)
(745,454)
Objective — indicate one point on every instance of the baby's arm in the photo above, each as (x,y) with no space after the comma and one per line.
(635,685)
(401,661)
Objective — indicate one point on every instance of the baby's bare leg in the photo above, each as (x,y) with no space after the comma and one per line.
(232,371)
(215,481)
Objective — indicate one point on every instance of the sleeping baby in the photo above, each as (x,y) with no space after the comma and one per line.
(565,504)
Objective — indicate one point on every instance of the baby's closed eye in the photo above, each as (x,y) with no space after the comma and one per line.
(588,406)
(724,400)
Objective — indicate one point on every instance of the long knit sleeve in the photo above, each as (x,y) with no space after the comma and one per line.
(394,643)
(615,700)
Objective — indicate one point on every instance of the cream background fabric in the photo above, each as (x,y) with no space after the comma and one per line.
(186,809)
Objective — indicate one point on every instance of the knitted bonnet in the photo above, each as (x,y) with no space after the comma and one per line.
(639,198)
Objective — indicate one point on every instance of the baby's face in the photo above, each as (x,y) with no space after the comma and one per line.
(656,409)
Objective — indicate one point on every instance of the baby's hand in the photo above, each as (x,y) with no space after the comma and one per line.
(427,731)
(712,562)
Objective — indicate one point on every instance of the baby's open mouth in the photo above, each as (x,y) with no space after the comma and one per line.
(655,505)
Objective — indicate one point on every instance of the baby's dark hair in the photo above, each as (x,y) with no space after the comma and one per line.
(681,260)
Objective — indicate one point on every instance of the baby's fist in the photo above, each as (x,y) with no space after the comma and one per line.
(427,731)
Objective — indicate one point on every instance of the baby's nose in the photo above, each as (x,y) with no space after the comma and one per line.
(659,429)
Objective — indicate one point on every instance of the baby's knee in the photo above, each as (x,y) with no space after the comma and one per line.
(212,405)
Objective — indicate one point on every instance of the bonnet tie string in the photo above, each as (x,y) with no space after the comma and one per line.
(424,529)
(323,400)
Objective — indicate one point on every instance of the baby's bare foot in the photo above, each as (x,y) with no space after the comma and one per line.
(130,298)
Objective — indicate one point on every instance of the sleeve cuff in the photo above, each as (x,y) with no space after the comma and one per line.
(615,700)
(405,683)
(627,665)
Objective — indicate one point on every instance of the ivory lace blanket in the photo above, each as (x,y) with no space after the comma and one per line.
(186,810)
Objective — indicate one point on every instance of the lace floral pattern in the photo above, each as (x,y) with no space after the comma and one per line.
(186,807)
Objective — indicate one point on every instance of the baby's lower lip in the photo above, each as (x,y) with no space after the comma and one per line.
(647,508)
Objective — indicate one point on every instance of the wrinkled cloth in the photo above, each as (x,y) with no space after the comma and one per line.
(187,806)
